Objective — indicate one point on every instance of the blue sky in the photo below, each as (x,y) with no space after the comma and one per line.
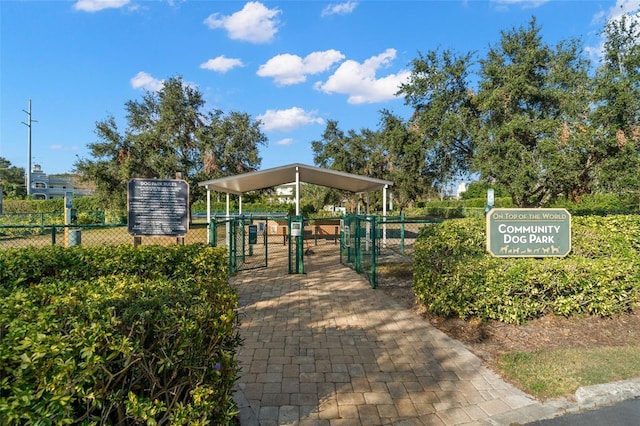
(292,64)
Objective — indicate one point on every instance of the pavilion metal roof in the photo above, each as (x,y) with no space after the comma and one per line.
(269,178)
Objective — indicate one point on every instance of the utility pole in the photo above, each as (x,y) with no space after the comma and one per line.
(28,124)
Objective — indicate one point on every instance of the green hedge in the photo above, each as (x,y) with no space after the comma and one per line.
(590,204)
(117,335)
(454,276)
(55,205)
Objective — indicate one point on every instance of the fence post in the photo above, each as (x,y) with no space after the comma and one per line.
(231,236)
(358,247)
(402,234)
(53,235)
(374,236)
(289,256)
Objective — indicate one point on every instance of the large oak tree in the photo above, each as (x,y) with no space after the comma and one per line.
(168,132)
(444,118)
(615,119)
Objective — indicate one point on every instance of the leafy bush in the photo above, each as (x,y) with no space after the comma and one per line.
(451,209)
(90,210)
(454,276)
(117,336)
(601,204)
(200,206)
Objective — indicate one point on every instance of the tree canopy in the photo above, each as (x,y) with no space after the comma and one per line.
(529,92)
(352,152)
(167,132)
(12,180)
(538,121)
(615,118)
(444,115)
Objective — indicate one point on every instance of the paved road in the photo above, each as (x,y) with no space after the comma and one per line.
(625,413)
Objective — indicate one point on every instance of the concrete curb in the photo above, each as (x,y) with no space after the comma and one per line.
(586,398)
(608,394)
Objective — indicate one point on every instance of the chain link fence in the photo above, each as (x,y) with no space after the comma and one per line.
(363,243)
(19,230)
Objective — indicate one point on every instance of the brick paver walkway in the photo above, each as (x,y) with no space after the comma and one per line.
(324,348)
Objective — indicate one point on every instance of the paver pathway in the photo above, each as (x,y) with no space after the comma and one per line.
(323,348)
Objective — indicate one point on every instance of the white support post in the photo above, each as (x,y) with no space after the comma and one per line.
(228,237)
(368,226)
(208,215)
(384,216)
(240,205)
(297,191)
(367,198)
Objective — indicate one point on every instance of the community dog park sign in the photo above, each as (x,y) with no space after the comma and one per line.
(528,232)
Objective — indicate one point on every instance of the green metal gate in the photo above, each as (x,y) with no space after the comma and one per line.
(247,240)
(357,246)
(365,241)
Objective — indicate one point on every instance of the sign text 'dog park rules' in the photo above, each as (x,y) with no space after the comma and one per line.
(158,207)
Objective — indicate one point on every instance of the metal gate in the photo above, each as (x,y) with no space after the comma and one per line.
(246,240)
(251,239)
(357,246)
(366,241)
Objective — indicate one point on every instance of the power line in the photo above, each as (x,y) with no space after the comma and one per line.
(28,124)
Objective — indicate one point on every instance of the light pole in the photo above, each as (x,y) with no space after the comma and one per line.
(28,124)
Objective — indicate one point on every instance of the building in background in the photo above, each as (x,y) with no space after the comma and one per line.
(46,187)
(462,187)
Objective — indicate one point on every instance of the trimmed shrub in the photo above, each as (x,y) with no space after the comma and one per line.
(454,276)
(117,336)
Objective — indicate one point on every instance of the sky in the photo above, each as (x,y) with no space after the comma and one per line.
(293,65)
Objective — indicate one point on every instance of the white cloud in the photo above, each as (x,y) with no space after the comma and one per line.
(359,82)
(625,7)
(340,8)
(58,147)
(285,141)
(255,23)
(221,64)
(98,5)
(145,81)
(630,8)
(287,69)
(288,119)
(595,52)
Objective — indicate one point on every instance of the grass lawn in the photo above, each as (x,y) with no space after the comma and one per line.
(553,373)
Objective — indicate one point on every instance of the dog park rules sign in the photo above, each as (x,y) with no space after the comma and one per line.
(528,232)
(158,207)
